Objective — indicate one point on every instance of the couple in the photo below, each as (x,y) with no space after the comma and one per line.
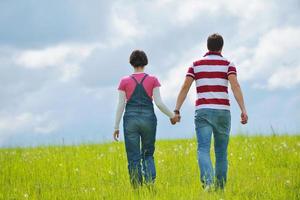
(137,91)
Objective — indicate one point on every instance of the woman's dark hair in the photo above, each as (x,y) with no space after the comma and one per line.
(138,58)
(215,42)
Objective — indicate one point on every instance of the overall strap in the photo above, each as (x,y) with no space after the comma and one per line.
(134,79)
(143,78)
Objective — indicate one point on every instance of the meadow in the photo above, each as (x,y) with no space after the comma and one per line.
(260,167)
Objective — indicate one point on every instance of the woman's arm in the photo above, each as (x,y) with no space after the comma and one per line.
(120,108)
(119,113)
(159,103)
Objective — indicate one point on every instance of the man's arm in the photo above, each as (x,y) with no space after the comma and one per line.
(183,92)
(237,91)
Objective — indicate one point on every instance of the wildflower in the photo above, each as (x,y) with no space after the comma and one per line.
(110,172)
(111,149)
(160,161)
(284,144)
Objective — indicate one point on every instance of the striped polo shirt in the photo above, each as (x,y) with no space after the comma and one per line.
(211,76)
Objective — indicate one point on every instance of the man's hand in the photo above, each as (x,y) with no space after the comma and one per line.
(175,119)
(116,135)
(244,117)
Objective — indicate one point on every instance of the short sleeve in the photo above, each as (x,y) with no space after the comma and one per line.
(190,72)
(231,69)
(122,85)
(156,83)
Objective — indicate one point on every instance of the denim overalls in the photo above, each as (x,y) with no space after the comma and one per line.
(139,123)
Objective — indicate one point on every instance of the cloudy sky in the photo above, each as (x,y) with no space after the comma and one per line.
(61,61)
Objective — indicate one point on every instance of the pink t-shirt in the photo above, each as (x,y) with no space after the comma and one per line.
(127,84)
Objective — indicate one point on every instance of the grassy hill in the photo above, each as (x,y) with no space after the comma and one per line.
(260,167)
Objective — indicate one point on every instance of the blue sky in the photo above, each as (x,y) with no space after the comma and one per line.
(61,61)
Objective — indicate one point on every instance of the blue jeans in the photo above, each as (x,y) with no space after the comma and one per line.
(139,133)
(208,121)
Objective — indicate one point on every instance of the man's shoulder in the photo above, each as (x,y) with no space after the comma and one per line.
(211,60)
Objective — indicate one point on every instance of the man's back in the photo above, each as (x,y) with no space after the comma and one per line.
(211,77)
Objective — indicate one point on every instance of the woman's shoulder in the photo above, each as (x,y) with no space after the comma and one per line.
(125,78)
(152,76)
(154,80)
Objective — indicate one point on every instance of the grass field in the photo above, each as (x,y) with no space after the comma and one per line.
(259,168)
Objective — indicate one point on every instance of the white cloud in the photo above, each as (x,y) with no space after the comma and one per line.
(274,57)
(188,10)
(125,24)
(64,57)
(53,56)
(41,123)
(284,78)
(46,128)
(27,120)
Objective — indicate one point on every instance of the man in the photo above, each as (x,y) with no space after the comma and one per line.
(211,74)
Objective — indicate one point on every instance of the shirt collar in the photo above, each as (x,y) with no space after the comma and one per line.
(213,53)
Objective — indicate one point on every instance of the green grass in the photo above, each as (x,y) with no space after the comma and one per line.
(259,168)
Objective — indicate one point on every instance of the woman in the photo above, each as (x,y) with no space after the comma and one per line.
(136,92)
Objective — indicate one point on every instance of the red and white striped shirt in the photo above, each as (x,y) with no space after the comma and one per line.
(211,76)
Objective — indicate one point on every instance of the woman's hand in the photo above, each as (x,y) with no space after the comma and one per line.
(175,119)
(116,135)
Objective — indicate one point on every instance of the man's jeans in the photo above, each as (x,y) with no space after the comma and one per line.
(140,128)
(216,121)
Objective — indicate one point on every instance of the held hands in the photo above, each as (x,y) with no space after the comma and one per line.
(176,118)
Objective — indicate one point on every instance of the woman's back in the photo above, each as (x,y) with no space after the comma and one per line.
(128,84)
